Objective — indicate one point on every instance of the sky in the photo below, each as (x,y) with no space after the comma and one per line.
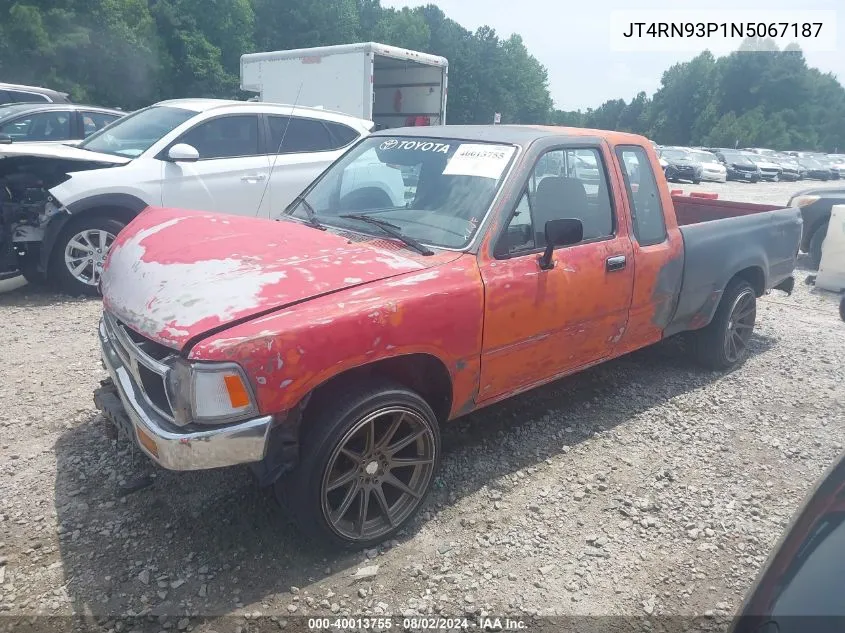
(575,44)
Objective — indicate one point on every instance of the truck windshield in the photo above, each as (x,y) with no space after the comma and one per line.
(134,134)
(434,190)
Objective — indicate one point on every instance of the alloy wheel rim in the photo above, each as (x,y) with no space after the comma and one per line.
(378,473)
(85,255)
(740,325)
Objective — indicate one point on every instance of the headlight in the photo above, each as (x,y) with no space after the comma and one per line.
(209,393)
(803,201)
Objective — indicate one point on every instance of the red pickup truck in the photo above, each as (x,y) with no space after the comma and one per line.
(325,348)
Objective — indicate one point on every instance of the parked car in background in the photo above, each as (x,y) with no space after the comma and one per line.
(64,206)
(837,167)
(712,168)
(792,169)
(739,167)
(326,350)
(769,170)
(17,93)
(52,122)
(814,169)
(816,206)
(681,165)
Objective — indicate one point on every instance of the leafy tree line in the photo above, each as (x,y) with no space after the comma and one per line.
(750,99)
(130,53)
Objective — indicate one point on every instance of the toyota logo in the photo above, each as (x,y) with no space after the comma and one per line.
(389,144)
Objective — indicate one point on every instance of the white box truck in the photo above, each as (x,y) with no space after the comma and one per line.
(390,86)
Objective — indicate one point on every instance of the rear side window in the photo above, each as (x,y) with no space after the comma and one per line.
(295,135)
(646,209)
(93,121)
(343,134)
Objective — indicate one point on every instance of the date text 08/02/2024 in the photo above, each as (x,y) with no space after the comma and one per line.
(421,623)
(724,29)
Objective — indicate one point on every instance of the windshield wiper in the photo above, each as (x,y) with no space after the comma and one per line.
(390,229)
(309,211)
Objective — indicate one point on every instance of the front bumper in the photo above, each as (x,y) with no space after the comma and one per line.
(169,446)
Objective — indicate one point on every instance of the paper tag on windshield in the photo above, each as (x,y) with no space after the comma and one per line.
(482,160)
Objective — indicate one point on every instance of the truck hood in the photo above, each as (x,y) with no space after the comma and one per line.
(175,276)
(59,151)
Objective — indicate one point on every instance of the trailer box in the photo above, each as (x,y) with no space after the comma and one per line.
(390,86)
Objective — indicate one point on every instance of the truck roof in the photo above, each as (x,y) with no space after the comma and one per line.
(344,49)
(515,134)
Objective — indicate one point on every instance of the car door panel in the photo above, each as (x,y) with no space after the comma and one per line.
(231,174)
(301,149)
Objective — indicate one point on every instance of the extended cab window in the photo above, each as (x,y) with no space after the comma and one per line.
(647,212)
(565,183)
(225,137)
(42,126)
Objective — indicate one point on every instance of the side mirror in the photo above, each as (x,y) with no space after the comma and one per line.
(183,153)
(5,139)
(563,232)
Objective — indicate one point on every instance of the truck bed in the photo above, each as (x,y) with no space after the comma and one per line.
(724,238)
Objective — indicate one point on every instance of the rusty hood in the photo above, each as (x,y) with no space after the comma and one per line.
(176,275)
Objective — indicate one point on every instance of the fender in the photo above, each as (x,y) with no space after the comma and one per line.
(128,204)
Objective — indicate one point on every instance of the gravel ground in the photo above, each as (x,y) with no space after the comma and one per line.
(644,486)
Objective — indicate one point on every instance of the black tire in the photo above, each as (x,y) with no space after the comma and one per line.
(710,344)
(28,267)
(59,273)
(842,309)
(696,181)
(325,429)
(816,242)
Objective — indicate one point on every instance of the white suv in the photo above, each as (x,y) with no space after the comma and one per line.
(206,154)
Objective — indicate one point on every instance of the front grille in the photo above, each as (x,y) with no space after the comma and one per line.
(145,360)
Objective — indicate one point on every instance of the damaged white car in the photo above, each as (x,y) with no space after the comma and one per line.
(61,207)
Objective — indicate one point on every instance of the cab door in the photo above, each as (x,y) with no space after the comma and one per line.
(540,324)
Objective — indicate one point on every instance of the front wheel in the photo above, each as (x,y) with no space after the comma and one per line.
(77,260)
(367,463)
(724,342)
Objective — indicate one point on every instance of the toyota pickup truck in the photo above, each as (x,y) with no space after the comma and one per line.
(325,348)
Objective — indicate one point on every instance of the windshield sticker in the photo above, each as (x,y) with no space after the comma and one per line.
(420,146)
(482,160)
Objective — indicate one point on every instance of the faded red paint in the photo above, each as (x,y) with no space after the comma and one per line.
(305,305)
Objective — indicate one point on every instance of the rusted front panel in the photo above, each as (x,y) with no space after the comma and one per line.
(174,275)
(438,312)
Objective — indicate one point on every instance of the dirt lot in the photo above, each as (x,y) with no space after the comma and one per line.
(642,487)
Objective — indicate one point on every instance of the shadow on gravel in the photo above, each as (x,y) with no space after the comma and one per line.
(29,296)
(207,542)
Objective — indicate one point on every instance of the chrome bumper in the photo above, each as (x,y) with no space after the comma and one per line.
(169,446)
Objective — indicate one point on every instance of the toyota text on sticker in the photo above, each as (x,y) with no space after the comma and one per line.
(423,146)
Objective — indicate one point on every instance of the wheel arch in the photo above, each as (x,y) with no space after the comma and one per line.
(421,372)
(123,207)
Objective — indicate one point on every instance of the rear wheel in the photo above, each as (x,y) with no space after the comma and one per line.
(77,260)
(367,463)
(842,309)
(724,342)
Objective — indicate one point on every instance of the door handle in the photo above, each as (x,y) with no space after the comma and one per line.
(617,262)
(253,178)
